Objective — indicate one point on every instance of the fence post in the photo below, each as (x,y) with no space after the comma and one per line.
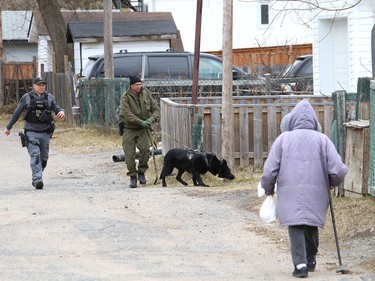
(340,112)
(363,99)
(198,132)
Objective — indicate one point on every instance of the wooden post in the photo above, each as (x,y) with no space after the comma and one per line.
(341,119)
(197,51)
(363,99)
(227,112)
(110,110)
(108,40)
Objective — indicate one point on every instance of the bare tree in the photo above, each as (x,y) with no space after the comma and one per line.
(54,21)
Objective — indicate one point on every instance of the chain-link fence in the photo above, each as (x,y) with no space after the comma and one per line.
(99,98)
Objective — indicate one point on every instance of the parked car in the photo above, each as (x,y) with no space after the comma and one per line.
(302,69)
(161,65)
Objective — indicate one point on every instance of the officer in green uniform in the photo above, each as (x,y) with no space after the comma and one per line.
(138,111)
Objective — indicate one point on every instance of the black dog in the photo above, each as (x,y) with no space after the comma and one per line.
(196,163)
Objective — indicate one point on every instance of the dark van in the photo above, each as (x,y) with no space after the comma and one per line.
(161,65)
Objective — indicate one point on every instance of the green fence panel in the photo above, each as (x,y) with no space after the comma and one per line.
(371,185)
(99,100)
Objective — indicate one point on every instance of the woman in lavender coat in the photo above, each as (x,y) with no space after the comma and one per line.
(305,165)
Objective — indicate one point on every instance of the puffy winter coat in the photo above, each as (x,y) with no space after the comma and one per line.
(305,164)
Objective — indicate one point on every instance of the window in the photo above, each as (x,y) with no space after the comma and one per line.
(128,66)
(210,69)
(264,16)
(174,67)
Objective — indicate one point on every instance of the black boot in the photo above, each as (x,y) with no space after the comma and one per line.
(300,273)
(133,182)
(44,165)
(142,178)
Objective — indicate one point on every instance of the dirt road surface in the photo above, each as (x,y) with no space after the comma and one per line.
(86,224)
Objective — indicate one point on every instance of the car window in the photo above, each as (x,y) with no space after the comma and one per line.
(174,67)
(128,66)
(210,69)
(87,69)
(306,69)
(300,67)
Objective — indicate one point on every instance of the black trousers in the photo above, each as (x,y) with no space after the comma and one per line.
(304,243)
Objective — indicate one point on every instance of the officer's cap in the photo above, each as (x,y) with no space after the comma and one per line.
(39,80)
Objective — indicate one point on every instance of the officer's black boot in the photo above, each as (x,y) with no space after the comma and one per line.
(142,178)
(133,182)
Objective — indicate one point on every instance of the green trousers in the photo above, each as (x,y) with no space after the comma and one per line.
(132,139)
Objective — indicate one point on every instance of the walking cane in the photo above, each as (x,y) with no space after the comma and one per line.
(154,146)
(340,269)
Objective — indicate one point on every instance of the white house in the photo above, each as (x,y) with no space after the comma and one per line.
(342,47)
(255,23)
(340,31)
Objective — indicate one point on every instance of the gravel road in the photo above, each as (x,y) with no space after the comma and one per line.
(86,224)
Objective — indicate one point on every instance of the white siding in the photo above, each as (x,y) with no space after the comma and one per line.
(327,60)
(247,29)
(44,54)
(360,25)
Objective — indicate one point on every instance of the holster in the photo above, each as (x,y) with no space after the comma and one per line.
(23,139)
(121,128)
(51,129)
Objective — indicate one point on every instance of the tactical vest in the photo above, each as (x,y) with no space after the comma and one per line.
(38,110)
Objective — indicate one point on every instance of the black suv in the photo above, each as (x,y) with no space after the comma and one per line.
(302,70)
(161,65)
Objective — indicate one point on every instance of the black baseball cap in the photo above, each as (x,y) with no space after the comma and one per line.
(40,80)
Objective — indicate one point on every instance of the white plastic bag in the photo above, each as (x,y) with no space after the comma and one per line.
(268,212)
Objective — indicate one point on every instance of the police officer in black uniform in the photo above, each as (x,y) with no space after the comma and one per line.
(38,108)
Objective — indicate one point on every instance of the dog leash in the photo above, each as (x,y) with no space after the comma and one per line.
(154,146)
(172,138)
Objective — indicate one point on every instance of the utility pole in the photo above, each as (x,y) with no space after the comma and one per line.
(227,146)
(197,51)
(109,91)
(108,40)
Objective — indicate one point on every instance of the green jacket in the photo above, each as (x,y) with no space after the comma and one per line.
(134,111)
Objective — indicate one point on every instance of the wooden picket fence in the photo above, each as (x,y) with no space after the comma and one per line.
(256,123)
